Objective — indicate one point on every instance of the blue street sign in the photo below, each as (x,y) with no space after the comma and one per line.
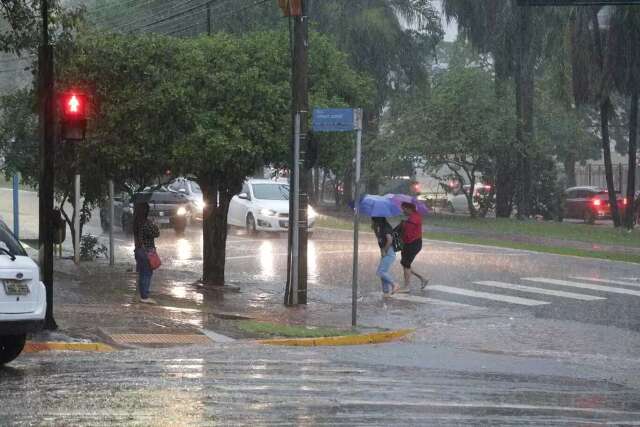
(333,120)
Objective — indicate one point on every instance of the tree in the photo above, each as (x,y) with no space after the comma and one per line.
(592,81)
(460,126)
(624,57)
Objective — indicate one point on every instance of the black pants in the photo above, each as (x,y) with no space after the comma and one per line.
(409,252)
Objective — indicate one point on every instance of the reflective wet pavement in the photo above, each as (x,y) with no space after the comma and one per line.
(246,384)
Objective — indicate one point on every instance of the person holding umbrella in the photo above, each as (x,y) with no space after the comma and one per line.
(384,234)
(411,243)
(380,208)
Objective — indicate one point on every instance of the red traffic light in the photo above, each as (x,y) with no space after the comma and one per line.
(74,106)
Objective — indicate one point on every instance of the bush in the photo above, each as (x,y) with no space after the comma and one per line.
(91,248)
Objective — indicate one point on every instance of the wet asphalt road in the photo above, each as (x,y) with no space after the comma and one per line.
(249,384)
(528,339)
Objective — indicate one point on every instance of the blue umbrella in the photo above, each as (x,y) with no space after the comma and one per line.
(378,206)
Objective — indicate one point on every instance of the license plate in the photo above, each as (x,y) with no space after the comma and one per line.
(14,288)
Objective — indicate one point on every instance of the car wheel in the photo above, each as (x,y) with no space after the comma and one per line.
(251,225)
(10,347)
(589,218)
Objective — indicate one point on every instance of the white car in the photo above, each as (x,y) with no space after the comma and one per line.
(23,299)
(263,205)
(457,201)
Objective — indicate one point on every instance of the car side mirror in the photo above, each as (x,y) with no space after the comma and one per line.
(243,196)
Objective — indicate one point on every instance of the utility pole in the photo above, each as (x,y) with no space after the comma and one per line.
(47,153)
(209,19)
(296,291)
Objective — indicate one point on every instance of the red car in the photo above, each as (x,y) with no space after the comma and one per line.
(590,203)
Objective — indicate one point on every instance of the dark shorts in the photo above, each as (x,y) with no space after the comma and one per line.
(409,252)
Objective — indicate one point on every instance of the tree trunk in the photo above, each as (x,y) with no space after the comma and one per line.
(633,147)
(570,170)
(605,108)
(524,77)
(214,231)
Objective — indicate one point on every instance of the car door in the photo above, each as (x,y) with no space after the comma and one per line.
(460,200)
(569,204)
(237,208)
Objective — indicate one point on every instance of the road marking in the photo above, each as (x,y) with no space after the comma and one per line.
(542,291)
(423,300)
(487,295)
(612,282)
(583,286)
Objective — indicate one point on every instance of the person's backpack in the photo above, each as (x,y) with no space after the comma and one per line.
(397,238)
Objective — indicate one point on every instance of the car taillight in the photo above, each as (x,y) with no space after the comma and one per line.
(596,202)
(624,201)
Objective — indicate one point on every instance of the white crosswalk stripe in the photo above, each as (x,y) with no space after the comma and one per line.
(423,300)
(487,295)
(541,291)
(582,285)
(612,282)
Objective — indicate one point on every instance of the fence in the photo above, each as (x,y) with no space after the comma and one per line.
(593,174)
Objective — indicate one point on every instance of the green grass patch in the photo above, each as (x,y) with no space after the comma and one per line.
(269,330)
(558,250)
(545,229)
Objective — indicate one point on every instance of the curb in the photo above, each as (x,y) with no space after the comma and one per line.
(375,338)
(36,347)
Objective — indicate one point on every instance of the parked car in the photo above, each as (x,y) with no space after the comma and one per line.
(263,205)
(166,208)
(590,203)
(457,201)
(23,299)
(191,190)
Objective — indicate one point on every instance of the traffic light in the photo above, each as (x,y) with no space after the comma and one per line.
(73,114)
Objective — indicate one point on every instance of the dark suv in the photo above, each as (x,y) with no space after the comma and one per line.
(166,208)
(590,203)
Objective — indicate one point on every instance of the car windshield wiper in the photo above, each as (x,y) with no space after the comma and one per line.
(8,252)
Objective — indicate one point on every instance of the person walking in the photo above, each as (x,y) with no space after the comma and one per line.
(411,244)
(384,234)
(144,233)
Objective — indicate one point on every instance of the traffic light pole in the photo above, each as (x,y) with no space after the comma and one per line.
(47,153)
(298,232)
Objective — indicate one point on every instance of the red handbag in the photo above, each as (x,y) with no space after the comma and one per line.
(154,259)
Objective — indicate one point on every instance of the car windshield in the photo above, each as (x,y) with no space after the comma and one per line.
(271,191)
(9,243)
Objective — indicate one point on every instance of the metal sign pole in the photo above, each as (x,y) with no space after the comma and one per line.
(356,222)
(76,222)
(16,206)
(295,220)
(112,257)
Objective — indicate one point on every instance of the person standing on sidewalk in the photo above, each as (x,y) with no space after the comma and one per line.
(144,233)
(411,243)
(384,234)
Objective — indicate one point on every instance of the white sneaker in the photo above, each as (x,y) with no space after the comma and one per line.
(148,301)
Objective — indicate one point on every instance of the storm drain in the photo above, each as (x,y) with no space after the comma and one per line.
(169,339)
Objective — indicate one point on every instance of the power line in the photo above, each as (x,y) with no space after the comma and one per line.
(233,12)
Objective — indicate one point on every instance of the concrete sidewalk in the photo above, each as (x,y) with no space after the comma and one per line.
(96,302)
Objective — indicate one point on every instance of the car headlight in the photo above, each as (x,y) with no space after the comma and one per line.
(267,212)
(311,213)
(200,205)
(182,211)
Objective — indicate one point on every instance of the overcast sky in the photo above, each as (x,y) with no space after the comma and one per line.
(451,29)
